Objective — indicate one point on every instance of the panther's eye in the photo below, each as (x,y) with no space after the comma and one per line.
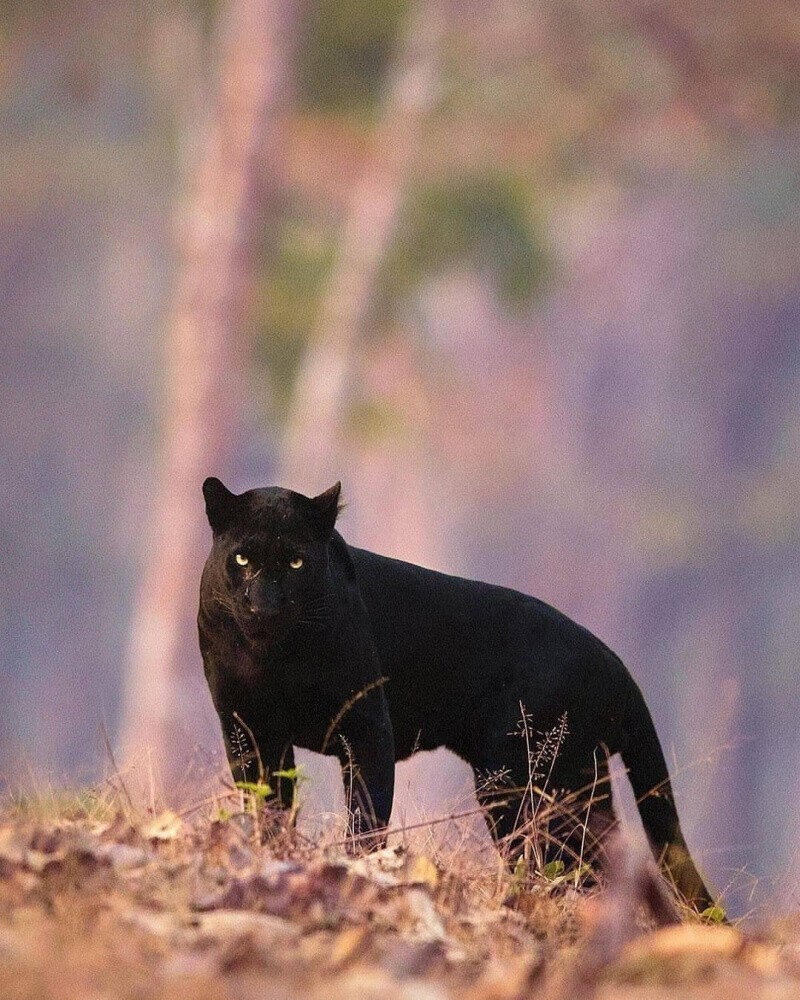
(296,563)
(241,559)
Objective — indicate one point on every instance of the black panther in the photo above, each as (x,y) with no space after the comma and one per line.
(310,642)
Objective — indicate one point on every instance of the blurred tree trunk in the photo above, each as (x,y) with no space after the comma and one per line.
(311,443)
(313,452)
(229,186)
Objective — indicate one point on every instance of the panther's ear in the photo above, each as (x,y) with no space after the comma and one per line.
(325,508)
(219,504)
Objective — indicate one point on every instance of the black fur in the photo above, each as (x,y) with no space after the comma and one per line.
(370,658)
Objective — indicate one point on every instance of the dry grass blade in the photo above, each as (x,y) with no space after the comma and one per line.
(260,763)
(112,760)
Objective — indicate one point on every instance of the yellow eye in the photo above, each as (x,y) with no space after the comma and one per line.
(296,563)
(240,559)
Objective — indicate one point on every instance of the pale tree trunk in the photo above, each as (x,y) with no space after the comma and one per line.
(221,223)
(312,439)
(313,446)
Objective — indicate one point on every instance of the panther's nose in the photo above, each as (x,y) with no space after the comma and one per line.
(261,603)
(248,602)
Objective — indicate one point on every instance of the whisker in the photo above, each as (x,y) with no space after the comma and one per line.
(224,601)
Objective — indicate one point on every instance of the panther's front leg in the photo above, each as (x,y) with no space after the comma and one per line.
(364,744)
(256,757)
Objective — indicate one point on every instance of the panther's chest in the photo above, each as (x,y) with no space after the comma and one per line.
(230,666)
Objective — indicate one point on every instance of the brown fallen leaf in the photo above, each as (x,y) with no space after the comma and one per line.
(427,924)
(404,959)
(348,946)
(421,870)
(229,923)
(327,892)
(686,950)
(376,984)
(512,979)
(166,826)
(228,845)
(122,857)
(12,851)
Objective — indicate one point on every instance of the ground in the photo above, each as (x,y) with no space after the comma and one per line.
(101,900)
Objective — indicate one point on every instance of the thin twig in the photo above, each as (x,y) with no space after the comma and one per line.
(347,706)
(228,793)
(390,831)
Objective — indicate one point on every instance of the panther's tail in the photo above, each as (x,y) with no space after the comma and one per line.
(649,777)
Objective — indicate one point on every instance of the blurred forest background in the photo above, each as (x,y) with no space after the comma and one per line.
(522,273)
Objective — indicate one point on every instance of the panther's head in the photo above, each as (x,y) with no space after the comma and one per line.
(269,557)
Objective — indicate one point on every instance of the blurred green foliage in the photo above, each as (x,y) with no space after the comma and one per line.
(580,92)
(347,48)
(370,420)
(12,11)
(290,293)
(482,221)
